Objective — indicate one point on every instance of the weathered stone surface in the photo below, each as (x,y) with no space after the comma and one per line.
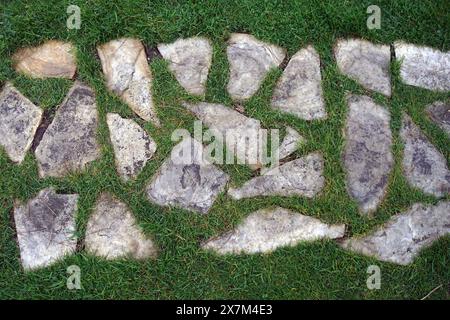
(250,60)
(234,128)
(423,165)
(404,235)
(19,120)
(46,228)
(189,60)
(423,66)
(187,180)
(366,63)
(133,147)
(69,143)
(290,143)
(128,75)
(368,157)
(299,90)
(112,232)
(300,177)
(268,229)
(439,112)
(53,59)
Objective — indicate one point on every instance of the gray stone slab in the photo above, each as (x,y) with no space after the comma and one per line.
(439,112)
(189,60)
(124,63)
(187,180)
(300,177)
(423,165)
(402,238)
(290,143)
(19,120)
(133,147)
(70,143)
(366,63)
(46,228)
(367,156)
(266,230)
(423,66)
(112,232)
(299,90)
(250,60)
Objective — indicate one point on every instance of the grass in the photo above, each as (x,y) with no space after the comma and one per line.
(319,270)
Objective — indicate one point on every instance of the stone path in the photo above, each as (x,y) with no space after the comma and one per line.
(46,223)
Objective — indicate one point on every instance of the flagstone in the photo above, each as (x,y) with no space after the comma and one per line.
(439,112)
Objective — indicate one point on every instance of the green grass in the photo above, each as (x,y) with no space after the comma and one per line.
(182,271)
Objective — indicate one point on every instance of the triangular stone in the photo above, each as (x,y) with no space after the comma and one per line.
(439,112)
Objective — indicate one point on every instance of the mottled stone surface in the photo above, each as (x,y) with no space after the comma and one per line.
(299,90)
(112,232)
(423,66)
(300,177)
(46,228)
(423,165)
(404,235)
(366,63)
(128,75)
(189,60)
(290,143)
(187,180)
(439,112)
(69,143)
(53,59)
(368,157)
(133,147)
(268,229)
(250,60)
(19,120)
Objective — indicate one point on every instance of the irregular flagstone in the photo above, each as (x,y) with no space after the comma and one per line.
(268,229)
(404,235)
(300,177)
(366,63)
(112,232)
(234,128)
(53,59)
(439,112)
(19,120)
(187,180)
(250,61)
(423,165)
(290,143)
(70,143)
(368,157)
(128,75)
(133,147)
(189,60)
(423,66)
(299,90)
(46,228)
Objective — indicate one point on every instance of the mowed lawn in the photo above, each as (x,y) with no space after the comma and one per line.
(320,270)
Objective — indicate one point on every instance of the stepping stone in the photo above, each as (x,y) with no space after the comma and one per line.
(423,66)
(402,238)
(133,147)
(366,63)
(235,129)
(290,143)
(423,165)
(299,91)
(439,112)
(186,180)
(189,60)
(368,157)
(69,143)
(128,75)
(268,229)
(112,232)
(53,59)
(300,177)
(19,120)
(250,61)
(46,228)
